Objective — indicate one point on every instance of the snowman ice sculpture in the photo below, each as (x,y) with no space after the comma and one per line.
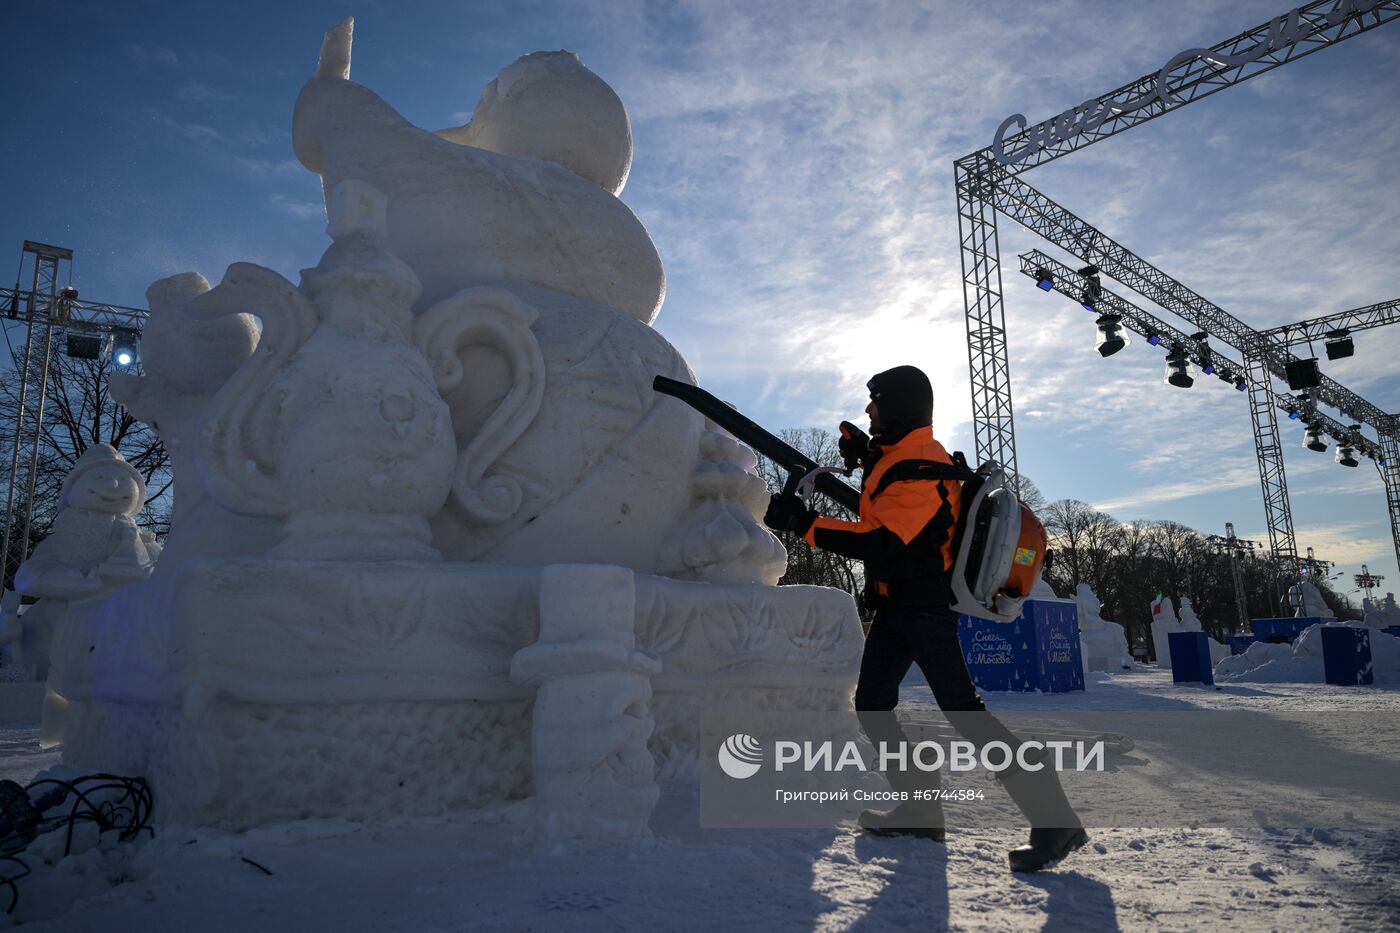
(93,549)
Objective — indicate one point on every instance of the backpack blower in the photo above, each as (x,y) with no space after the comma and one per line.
(999,544)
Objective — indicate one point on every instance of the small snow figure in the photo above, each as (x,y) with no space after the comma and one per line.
(93,549)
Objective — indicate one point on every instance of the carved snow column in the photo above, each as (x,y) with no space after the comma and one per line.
(592,716)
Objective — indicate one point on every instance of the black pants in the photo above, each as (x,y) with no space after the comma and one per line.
(901,636)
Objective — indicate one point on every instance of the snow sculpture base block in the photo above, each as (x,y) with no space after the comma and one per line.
(1346,656)
(1190,654)
(1239,644)
(249,691)
(1283,630)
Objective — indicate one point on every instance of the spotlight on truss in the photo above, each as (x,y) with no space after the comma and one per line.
(1346,454)
(1339,345)
(1314,438)
(125,346)
(1112,336)
(1179,369)
(1044,280)
(1302,374)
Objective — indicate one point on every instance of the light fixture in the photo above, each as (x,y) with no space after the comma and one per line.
(1044,280)
(1093,291)
(1112,336)
(1240,384)
(85,346)
(1346,454)
(1293,413)
(1302,374)
(1154,339)
(1207,362)
(1339,345)
(125,346)
(1314,439)
(1179,369)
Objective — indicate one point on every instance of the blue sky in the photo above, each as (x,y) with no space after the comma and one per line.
(793,162)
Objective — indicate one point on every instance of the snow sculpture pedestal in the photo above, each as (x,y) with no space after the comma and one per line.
(255,690)
(592,718)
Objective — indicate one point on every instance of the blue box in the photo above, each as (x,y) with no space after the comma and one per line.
(1000,655)
(1346,656)
(1059,661)
(1239,644)
(1038,651)
(1190,658)
(1285,629)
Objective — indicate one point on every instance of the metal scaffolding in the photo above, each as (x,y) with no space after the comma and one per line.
(48,311)
(987,184)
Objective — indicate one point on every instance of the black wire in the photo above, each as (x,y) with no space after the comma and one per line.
(128,814)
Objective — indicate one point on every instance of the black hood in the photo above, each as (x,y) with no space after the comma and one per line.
(904,399)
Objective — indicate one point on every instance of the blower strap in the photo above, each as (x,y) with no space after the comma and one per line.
(925,469)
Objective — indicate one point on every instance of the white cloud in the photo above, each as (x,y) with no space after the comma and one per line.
(146,55)
(304,210)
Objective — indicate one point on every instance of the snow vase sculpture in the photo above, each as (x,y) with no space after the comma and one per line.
(335,423)
(448,416)
(593,772)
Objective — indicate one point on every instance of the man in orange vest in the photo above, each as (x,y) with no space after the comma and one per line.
(905,537)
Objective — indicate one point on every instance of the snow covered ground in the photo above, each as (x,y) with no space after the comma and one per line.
(462,873)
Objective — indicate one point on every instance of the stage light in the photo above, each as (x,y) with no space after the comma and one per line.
(1089,298)
(1179,369)
(1294,414)
(1314,439)
(1208,369)
(1112,337)
(1346,455)
(1044,280)
(1302,374)
(1339,345)
(1241,385)
(1154,339)
(125,345)
(85,346)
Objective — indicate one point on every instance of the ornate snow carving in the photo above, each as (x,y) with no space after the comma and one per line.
(335,423)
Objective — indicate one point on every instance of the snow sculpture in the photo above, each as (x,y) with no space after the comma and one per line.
(94,548)
(1104,644)
(582,453)
(1191,622)
(1380,613)
(1302,661)
(186,361)
(1305,601)
(334,424)
(406,474)
(591,720)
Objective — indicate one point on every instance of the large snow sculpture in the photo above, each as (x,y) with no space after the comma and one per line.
(1305,601)
(1104,644)
(523,198)
(455,402)
(94,548)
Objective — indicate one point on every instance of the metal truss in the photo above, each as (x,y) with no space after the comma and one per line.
(994,427)
(1051,221)
(1389,466)
(81,317)
(1262,404)
(1318,328)
(1190,76)
(1145,324)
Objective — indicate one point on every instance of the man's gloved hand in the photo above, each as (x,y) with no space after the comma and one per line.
(854,446)
(787,513)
